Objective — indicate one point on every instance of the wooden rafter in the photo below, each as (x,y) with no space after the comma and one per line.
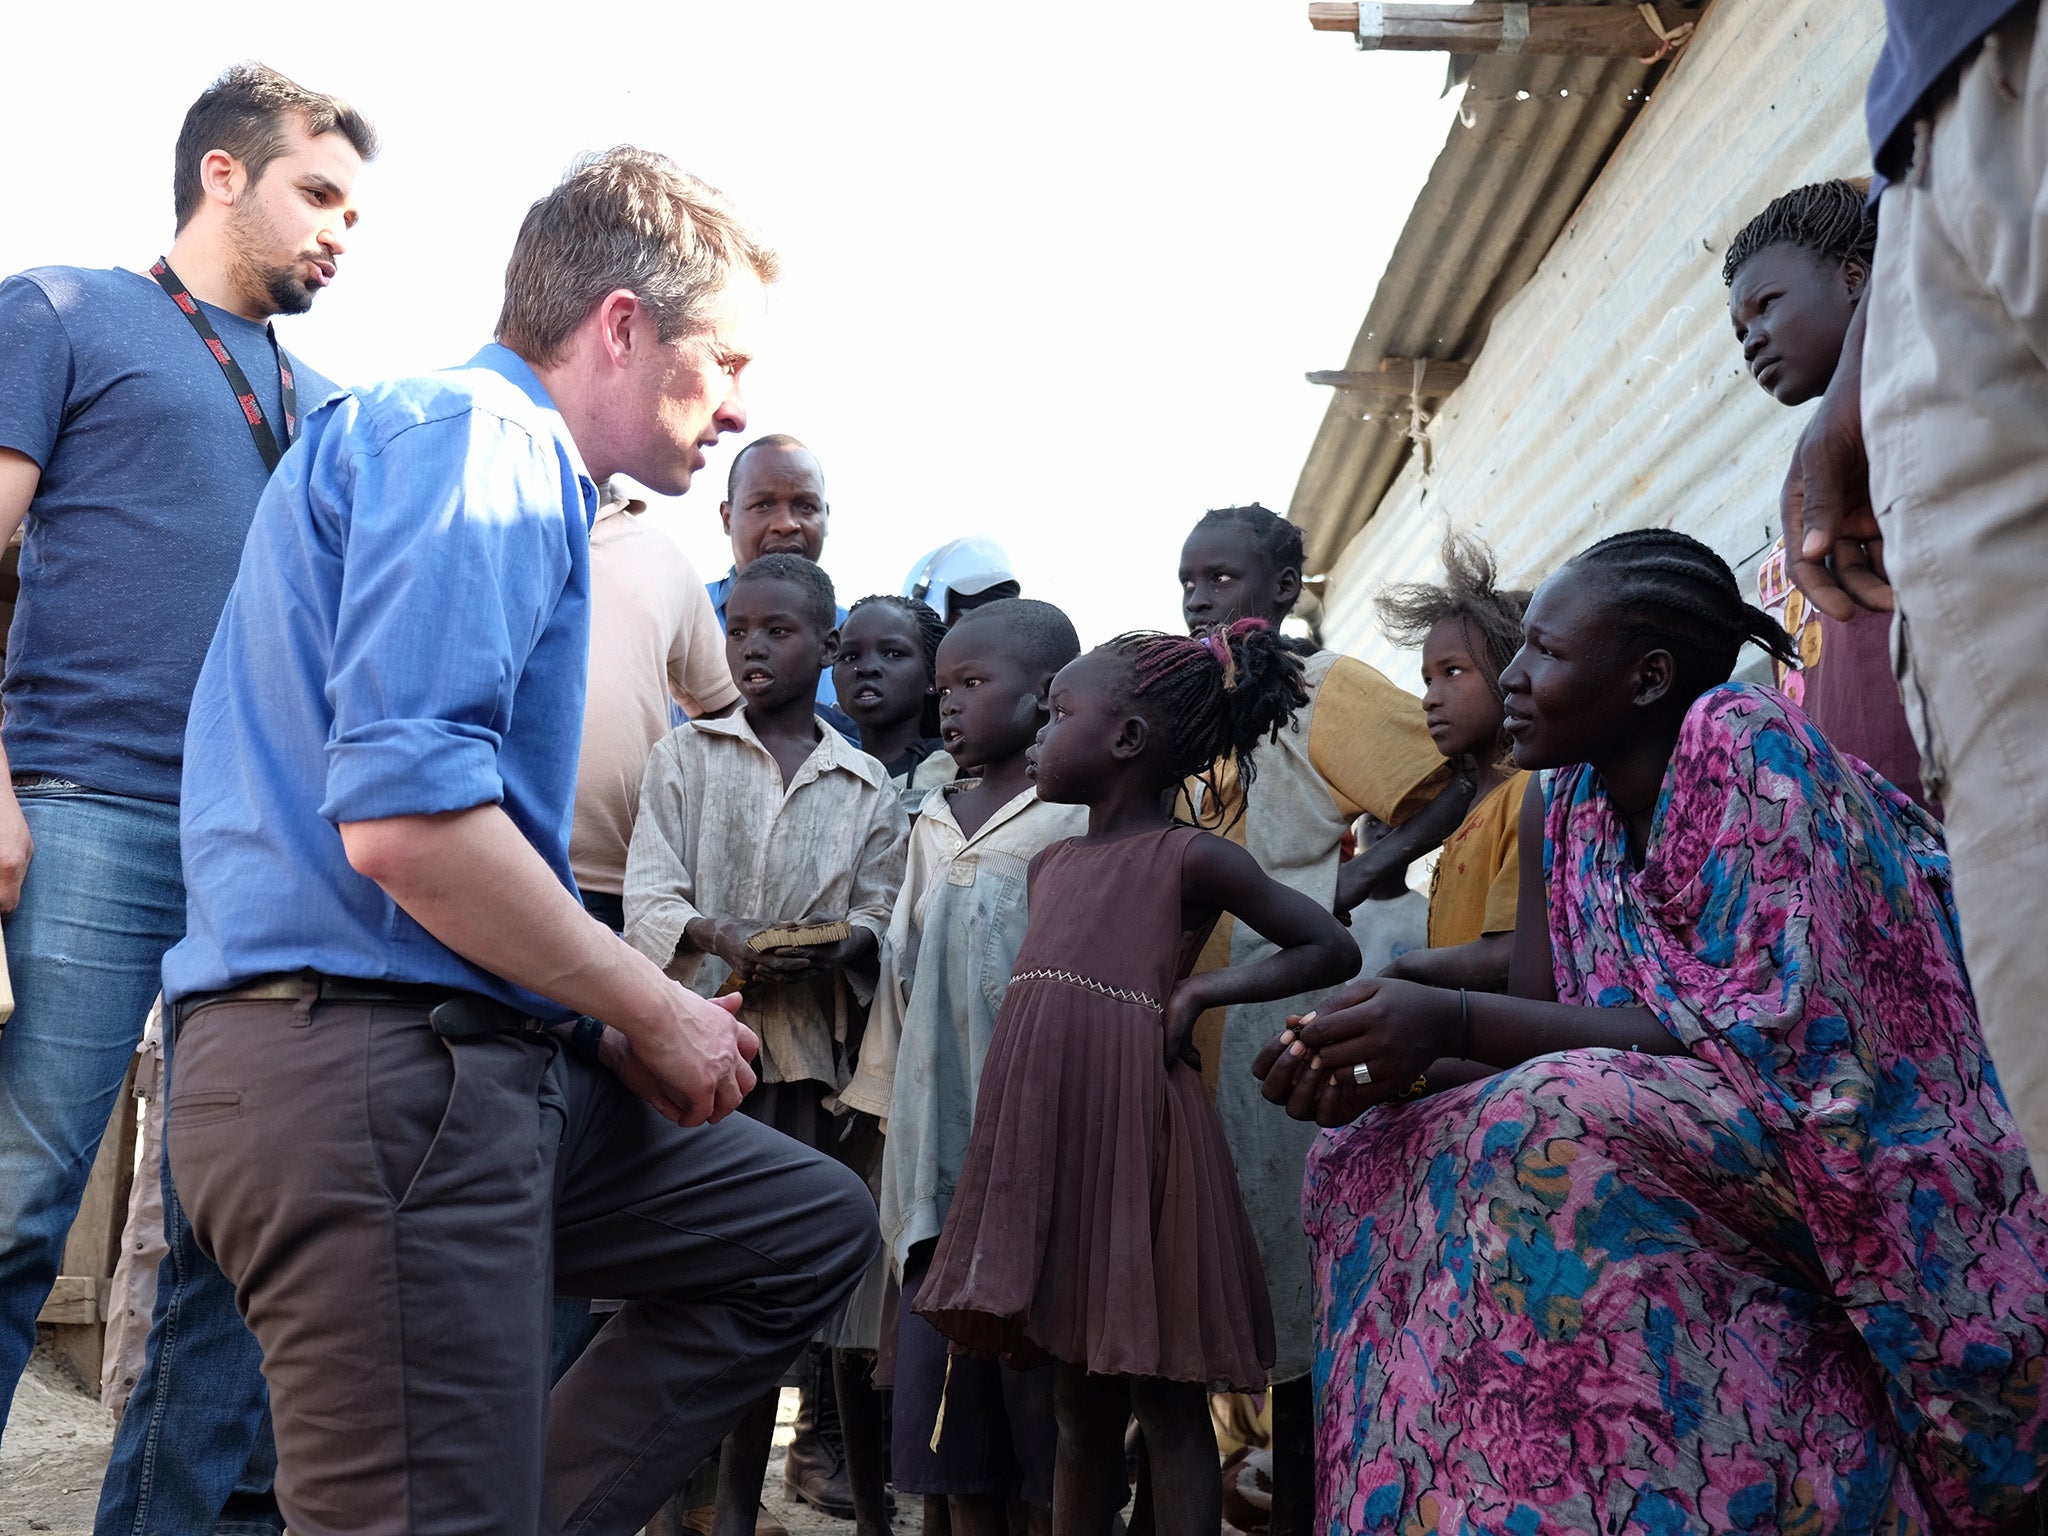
(1395,378)
(1582,31)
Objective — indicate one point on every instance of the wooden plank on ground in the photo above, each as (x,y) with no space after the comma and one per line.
(78,1337)
(74,1301)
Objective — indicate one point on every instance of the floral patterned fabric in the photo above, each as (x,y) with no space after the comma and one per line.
(1793,1280)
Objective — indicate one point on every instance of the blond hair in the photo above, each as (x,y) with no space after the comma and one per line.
(631,219)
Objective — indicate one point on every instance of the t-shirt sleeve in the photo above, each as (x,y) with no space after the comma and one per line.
(698,675)
(1369,742)
(456,552)
(36,365)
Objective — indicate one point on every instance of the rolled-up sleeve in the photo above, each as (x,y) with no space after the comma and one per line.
(456,553)
(874,1076)
(878,877)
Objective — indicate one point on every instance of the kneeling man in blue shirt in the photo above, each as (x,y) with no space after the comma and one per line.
(392,1117)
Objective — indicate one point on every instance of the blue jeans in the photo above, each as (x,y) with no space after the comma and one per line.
(103,900)
(193,1453)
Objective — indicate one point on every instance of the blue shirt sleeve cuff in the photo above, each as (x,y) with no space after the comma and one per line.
(410,768)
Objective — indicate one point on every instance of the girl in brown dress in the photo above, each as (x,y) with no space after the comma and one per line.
(1097,1221)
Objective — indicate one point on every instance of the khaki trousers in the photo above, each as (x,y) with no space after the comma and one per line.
(1955,409)
(396,1214)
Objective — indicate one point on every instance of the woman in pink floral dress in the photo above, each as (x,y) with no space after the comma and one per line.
(1742,1238)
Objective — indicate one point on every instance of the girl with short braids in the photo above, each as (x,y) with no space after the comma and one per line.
(1357,746)
(1217,696)
(1740,1234)
(1097,1221)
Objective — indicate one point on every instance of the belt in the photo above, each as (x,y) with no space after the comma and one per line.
(454,1013)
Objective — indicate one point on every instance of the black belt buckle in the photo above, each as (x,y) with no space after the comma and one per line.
(467,1016)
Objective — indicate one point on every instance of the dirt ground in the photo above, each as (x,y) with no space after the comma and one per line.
(56,1451)
(53,1456)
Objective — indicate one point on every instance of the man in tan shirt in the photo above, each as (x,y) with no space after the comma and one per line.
(654,636)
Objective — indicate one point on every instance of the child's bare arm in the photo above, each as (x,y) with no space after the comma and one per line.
(1313,950)
(1481,965)
(1418,835)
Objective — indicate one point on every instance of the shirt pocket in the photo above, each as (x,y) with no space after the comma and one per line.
(1003,916)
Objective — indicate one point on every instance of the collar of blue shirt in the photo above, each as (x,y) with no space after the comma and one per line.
(514,369)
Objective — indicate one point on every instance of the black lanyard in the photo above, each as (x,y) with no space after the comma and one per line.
(252,408)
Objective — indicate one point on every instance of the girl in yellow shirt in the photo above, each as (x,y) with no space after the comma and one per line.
(1469,630)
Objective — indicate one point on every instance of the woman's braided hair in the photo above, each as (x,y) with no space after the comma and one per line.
(1677,593)
(1832,219)
(1488,618)
(1214,695)
(931,629)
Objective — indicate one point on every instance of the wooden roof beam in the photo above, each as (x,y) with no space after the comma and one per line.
(1395,378)
(1578,31)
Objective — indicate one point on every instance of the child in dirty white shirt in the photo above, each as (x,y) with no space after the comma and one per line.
(765,819)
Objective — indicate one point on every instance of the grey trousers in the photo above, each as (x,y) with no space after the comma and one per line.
(396,1214)
(1955,414)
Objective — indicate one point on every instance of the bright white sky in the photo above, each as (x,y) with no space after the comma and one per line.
(1052,273)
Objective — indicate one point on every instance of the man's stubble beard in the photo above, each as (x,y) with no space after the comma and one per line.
(288,293)
(276,286)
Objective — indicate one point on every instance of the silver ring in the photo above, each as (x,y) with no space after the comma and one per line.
(1361,1074)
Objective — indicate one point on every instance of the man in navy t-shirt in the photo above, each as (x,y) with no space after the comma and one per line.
(140,419)
(1921,484)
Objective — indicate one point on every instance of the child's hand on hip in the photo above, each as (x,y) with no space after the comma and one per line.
(1183,1009)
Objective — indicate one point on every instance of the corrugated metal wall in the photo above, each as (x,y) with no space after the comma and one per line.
(1611,393)
(1532,135)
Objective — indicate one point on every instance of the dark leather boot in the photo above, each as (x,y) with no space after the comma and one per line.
(814,1468)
